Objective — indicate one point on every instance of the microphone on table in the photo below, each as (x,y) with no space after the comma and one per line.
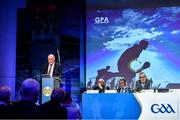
(159,85)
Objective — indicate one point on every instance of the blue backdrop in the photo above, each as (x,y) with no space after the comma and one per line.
(8,16)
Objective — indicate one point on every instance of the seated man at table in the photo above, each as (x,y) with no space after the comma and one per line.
(101,86)
(122,87)
(143,83)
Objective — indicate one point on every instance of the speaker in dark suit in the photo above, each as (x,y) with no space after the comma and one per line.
(56,72)
(52,69)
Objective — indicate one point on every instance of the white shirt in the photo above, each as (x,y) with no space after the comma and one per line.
(123,90)
(143,84)
(52,69)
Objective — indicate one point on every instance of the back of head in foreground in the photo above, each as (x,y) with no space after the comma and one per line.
(29,90)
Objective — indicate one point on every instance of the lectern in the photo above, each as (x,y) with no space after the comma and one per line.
(47,85)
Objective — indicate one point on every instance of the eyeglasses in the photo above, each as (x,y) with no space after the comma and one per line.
(142,77)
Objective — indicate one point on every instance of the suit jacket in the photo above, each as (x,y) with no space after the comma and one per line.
(57,72)
(4,111)
(101,90)
(23,109)
(126,90)
(139,87)
(52,110)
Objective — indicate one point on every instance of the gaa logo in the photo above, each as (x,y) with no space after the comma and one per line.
(155,108)
(101,20)
(47,91)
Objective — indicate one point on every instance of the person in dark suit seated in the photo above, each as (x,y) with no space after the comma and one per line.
(26,107)
(53,69)
(53,108)
(73,110)
(101,86)
(122,87)
(5,94)
(143,83)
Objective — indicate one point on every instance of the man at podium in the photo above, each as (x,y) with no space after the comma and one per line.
(52,69)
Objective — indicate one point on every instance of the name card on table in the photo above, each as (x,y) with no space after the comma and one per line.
(92,91)
(110,91)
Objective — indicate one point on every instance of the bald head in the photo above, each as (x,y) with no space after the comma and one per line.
(51,58)
(5,93)
(29,89)
(58,94)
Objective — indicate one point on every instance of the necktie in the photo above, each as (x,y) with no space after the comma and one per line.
(122,90)
(49,72)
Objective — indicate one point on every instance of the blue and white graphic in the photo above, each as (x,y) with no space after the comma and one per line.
(110,106)
(131,106)
(110,33)
(156,108)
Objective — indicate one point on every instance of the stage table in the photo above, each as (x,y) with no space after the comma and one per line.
(131,106)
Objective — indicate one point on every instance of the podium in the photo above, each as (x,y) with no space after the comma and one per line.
(47,85)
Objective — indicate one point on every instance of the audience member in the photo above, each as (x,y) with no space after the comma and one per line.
(53,108)
(26,107)
(5,94)
(72,111)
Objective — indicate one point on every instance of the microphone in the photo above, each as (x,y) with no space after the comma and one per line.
(151,82)
(156,88)
(59,57)
(159,85)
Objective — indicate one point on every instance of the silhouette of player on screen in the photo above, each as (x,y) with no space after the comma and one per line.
(124,70)
(102,73)
(129,56)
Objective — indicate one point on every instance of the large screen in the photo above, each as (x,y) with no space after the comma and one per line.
(124,42)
